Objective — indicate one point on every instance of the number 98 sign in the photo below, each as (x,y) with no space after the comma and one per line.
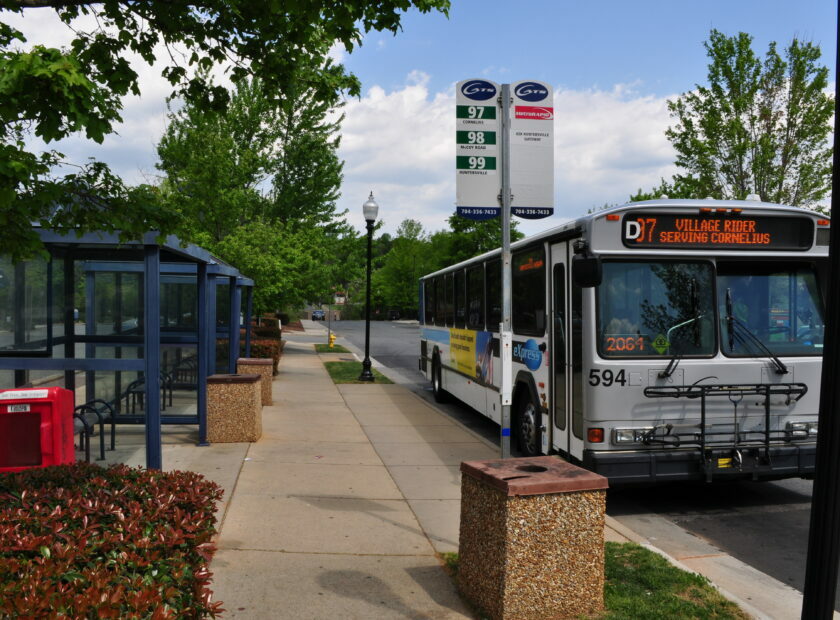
(478,183)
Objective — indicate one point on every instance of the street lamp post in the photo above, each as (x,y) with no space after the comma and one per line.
(370,210)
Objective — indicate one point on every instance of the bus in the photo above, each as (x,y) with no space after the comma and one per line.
(653,341)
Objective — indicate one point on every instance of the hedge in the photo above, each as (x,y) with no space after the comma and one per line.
(81,541)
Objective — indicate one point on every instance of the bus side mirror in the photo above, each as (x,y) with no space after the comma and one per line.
(586,269)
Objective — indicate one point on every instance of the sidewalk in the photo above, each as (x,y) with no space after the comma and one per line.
(340,508)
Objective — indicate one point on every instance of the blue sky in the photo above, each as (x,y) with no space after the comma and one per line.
(613,66)
(583,45)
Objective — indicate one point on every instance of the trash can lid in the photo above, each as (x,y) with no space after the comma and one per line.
(244,378)
(533,475)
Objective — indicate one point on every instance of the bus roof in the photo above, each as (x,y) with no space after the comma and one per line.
(659,203)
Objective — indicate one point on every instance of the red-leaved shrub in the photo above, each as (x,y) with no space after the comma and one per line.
(80,541)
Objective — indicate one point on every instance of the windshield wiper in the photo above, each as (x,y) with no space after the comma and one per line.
(675,359)
(742,333)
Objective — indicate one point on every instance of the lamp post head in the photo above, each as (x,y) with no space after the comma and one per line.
(370,209)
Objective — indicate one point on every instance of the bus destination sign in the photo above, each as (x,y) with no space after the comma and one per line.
(698,231)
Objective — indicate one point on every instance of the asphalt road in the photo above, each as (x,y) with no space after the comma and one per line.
(764,524)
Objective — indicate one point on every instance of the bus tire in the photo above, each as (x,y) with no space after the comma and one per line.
(441,395)
(527,427)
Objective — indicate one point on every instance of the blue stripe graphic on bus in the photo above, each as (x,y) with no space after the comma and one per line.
(436,335)
(528,353)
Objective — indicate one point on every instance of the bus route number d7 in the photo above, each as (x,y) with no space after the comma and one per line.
(640,230)
(606,377)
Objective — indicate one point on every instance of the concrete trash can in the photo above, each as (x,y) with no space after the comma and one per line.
(264,367)
(532,538)
(234,408)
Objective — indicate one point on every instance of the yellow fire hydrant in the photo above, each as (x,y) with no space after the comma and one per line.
(332,340)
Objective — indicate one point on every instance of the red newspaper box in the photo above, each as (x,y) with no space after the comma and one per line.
(36,428)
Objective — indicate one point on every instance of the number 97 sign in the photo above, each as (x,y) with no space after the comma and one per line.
(478,183)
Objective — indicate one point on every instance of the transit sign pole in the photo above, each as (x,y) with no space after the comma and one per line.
(504,162)
(506,329)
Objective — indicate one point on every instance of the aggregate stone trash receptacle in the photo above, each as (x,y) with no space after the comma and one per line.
(532,538)
(234,408)
(258,366)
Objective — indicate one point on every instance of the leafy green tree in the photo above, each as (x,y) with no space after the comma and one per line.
(472,237)
(759,126)
(308,173)
(408,259)
(52,93)
(289,265)
(215,163)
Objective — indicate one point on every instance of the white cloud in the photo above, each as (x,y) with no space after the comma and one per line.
(400,144)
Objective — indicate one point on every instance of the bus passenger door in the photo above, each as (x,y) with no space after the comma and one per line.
(560,360)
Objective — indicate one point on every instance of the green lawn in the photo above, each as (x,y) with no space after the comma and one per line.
(641,584)
(348,372)
(325,348)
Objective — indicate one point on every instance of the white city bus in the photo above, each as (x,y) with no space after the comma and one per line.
(659,340)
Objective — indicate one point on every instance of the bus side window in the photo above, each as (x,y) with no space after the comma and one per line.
(460,302)
(439,302)
(528,288)
(429,301)
(475,298)
(448,303)
(493,273)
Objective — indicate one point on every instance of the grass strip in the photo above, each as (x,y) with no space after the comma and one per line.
(325,348)
(348,372)
(641,584)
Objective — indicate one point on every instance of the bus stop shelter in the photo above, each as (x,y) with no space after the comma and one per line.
(154,314)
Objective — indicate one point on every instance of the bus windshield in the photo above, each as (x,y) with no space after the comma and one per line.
(653,309)
(763,304)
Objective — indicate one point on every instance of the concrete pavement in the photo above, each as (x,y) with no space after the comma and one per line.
(757,594)
(342,506)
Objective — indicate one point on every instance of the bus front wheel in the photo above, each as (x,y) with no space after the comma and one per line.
(437,384)
(527,427)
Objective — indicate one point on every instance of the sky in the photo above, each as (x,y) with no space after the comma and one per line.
(613,65)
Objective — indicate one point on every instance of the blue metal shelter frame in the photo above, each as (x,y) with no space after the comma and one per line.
(156,261)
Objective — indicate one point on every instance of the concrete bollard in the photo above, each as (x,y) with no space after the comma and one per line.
(264,367)
(234,408)
(532,538)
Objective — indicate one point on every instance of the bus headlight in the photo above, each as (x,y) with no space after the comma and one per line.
(624,436)
(800,430)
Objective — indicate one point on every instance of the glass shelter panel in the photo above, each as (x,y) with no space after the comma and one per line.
(24,307)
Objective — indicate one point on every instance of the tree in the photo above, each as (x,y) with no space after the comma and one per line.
(219,167)
(308,176)
(289,265)
(473,237)
(53,93)
(758,127)
(408,259)
(215,163)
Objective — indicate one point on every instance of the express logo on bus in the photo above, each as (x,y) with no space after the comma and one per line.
(528,353)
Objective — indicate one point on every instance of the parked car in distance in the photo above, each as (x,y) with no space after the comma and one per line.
(393,315)
(318,315)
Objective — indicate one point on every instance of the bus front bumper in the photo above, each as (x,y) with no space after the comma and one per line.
(647,466)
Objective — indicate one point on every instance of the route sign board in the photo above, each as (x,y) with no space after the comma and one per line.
(532,149)
(477,155)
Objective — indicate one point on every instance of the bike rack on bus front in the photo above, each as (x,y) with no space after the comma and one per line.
(735,393)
